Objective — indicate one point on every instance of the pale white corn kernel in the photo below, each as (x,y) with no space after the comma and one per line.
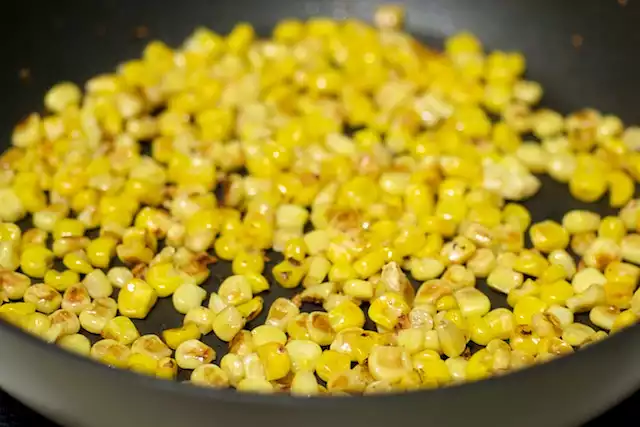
(188,296)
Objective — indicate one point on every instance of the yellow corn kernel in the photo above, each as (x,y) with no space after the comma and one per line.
(624,320)
(288,273)
(193,353)
(531,263)
(604,316)
(612,227)
(265,334)
(584,301)
(504,279)
(75,343)
(577,334)
(176,336)
(482,263)
(458,251)
(304,355)
(13,285)
(209,375)
(562,258)
(228,323)
(331,363)
(629,247)
(281,312)
(557,292)
(121,329)
(472,302)
(136,299)
(426,268)
(621,188)
(526,307)
(524,340)
(601,252)
(100,251)
(97,284)
(77,261)
(587,277)
(369,264)
(548,236)
(275,360)
(242,343)
(36,260)
(580,221)
(452,339)
(346,315)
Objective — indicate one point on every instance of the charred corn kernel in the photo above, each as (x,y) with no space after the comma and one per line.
(346,315)
(235,290)
(562,315)
(151,346)
(176,336)
(472,302)
(44,297)
(14,285)
(319,328)
(111,352)
(63,322)
(584,301)
(458,251)
(531,263)
(452,339)
(167,368)
(121,329)
(557,292)
(387,309)
(77,261)
(331,363)
(228,323)
(242,343)
(587,277)
(580,221)
(76,298)
(75,343)
(601,252)
(281,312)
(548,236)
(193,353)
(187,297)
(252,308)
(629,248)
(502,323)
(36,260)
(612,227)
(288,273)
(577,334)
(524,340)
(95,317)
(209,375)
(624,320)
(504,279)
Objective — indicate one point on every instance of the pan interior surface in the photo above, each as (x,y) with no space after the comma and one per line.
(578,65)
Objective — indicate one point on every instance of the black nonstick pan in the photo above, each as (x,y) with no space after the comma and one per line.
(585,54)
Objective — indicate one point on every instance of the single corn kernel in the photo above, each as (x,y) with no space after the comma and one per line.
(176,336)
(228,323)
(547,236)
(121,329)
(193,353)
(136,299)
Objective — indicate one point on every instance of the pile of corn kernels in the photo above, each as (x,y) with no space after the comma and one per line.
(368,160)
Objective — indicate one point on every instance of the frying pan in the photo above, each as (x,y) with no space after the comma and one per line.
(583,52)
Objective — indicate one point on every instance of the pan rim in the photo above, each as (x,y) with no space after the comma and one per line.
(230,395)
